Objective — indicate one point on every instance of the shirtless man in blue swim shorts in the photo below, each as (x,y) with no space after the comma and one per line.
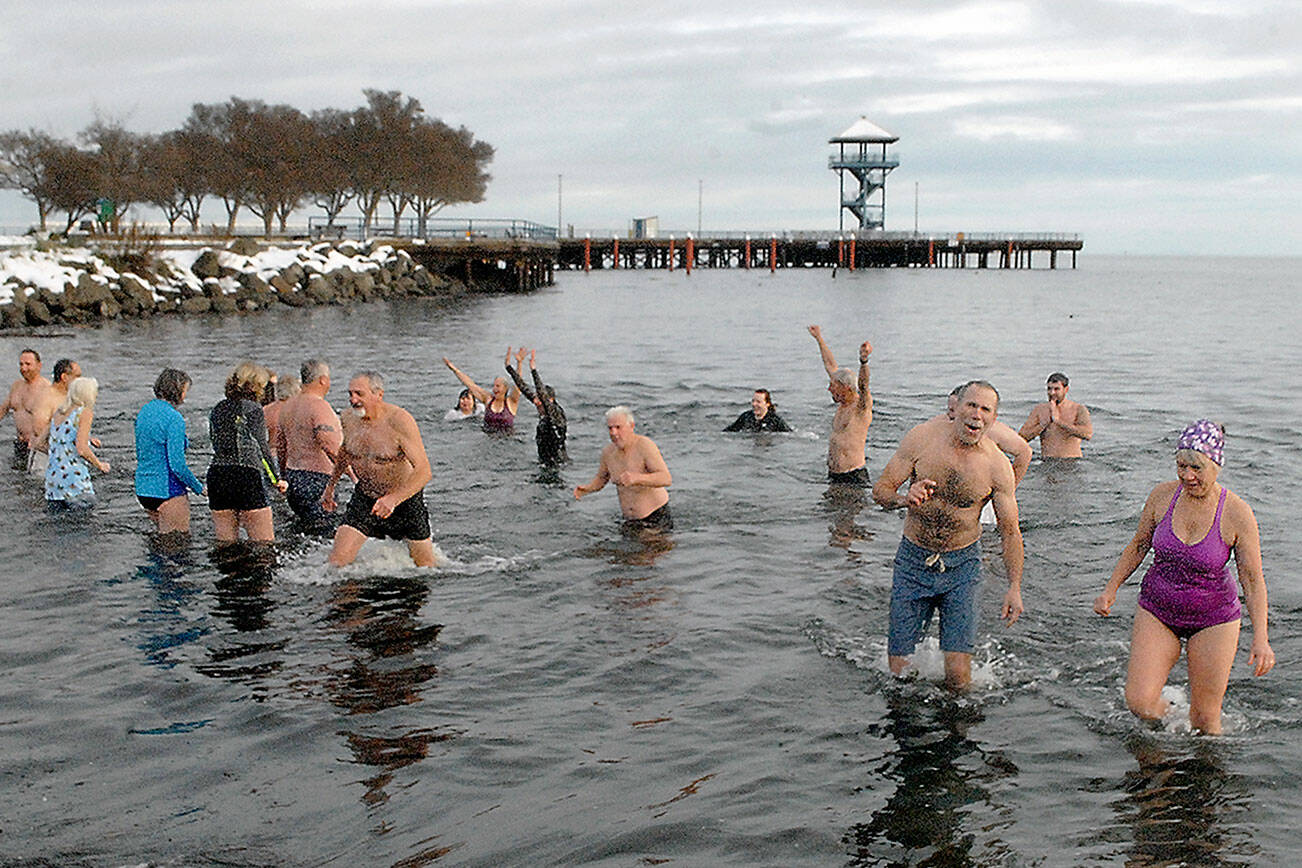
(952,470)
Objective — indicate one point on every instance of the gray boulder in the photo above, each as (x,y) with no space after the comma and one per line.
(207,265)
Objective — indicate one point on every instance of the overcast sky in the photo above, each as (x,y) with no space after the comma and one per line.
(1143,125)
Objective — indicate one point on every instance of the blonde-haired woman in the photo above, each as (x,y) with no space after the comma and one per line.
(241,459)
(67,476)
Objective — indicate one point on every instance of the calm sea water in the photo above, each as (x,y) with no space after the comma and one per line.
(557,694)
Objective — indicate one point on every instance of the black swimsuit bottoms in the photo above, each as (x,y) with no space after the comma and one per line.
(858,476)
(408,521)
(656,520)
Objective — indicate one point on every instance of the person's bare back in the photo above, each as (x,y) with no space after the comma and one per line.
(311,433)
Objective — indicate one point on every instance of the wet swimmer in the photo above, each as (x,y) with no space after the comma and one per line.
(550,433)
(383,448)
(634,463)
(283,388)
(854,413)
(466,408)
(1060,423)
(501,404)
(29,399)
(306,443)
(1187,595)
(162,476)
(241,459)
(762,415)
(951,469)
(67,478)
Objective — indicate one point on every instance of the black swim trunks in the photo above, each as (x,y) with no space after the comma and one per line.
(858,476)
(409,521)
(21,450)
(657,520)
(234,486)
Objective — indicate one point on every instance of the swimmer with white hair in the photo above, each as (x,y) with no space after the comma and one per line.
(846,464)
(633,462)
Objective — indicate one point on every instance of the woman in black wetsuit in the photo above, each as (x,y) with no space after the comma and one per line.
(762,416)
(241,459)
(550,434)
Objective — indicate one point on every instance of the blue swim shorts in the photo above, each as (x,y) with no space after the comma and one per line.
(925,581)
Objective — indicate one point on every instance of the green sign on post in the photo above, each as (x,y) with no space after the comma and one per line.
(106,209)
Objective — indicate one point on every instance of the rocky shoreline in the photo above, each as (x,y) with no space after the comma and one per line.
(77,285)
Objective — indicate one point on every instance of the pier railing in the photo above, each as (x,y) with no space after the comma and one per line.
(434,227)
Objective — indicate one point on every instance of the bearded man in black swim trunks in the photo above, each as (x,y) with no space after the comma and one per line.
(382,445)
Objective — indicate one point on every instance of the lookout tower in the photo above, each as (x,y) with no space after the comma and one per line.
(862,154)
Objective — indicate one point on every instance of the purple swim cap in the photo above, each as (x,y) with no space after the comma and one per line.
(1204,436)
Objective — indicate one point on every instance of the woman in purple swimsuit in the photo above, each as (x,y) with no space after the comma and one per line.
(1187,594)
(500,405)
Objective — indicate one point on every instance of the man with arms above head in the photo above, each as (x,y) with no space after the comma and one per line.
(307,442)
(1060,423)
(854,413)
(951,471)
(633,462)
(382,446)
(29,399)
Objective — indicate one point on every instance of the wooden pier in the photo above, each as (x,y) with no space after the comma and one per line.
(820,250)
(525,264)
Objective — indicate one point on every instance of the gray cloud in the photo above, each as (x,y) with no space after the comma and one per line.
(1137,123)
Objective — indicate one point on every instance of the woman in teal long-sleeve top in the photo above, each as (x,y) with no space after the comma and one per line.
(162,476)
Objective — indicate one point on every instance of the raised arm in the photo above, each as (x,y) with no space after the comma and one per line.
(865,403)
(480,395)
(829,360)
(520,384)
(1135,551)
(513,397)
(1247,558)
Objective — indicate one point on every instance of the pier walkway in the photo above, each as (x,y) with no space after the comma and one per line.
(821,250)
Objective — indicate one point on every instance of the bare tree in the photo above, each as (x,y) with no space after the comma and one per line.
(330,157)
(121,181)
(383,129)
(452,166)
(73,180)
(223,175)
(22,168)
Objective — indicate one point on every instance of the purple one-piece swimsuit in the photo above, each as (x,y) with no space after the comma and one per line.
(1188,588)
(498,420)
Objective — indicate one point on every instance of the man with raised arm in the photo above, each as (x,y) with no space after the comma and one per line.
(383,447)
(307,441)
(1060,423)
(633,462)
(854,413)
(951,471)
(29,399)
